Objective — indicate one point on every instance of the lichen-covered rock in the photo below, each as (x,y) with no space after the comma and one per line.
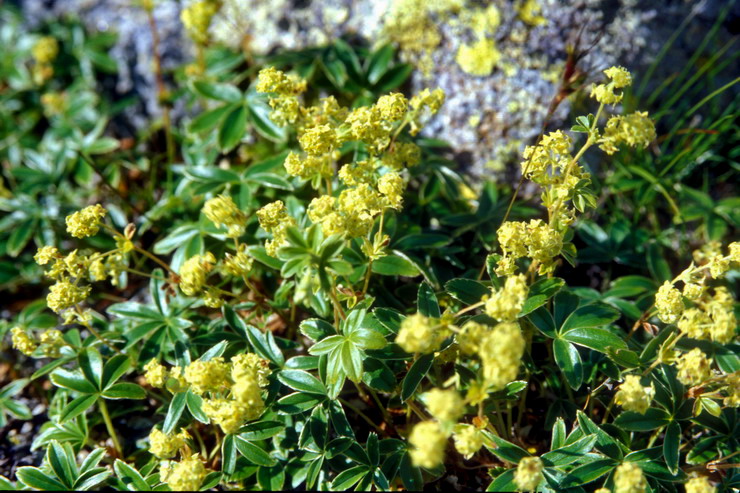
(500,63)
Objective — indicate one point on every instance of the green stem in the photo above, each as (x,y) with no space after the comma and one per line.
(109,426)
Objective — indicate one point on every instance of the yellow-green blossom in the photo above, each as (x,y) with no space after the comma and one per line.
(65,294)
(45,50)
(22,341)
(86,222)
(207,376)
(428,443)
(699,484)
(628,478)
(669,303)
(46,254)
(632,396)
(468,440)
(529,473)
(693,367)
(166,446)
(197,16)
(420,334)
(501,352)
(156,374)
(194,271)
(186,475)
(505,304)
(445,405)
(274,219)
(222,211)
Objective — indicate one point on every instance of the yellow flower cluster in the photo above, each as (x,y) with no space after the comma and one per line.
(505,304)
(186,475)
(732,390)
(22,341)
(535,239)
(232,391)
(468,439)
(501,352)
(54,103)
(274,219)
(634,130)
(310,167)
(420,334)
(699,484)
(694,367)
(628,478)
(222,211)
(632,396)
(529,473)
(605,93)
(86,222)
(194,271)
(166,446)
(207,376)
(156,374)
(446,406)
(196,18)
(669,303)
(713,318)
(543,161)
(240,264)
(428,443)
(284,90)
(64,294)
(44,51)
(51,343)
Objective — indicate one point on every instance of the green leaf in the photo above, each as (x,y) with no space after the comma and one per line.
(657,264)
(588,473)
(317,329)
(60,464)
(325,346)
(92,366)
(348,478)
(466,290)
(264,345)
(351,361)
(388,318)
(208,120)
(124,390)
(393,265)
(271,478)
(33,477)
(259,114)
(73,381)
(195,406)
(130,476)
(671,446)
(302,381)
(653,419)
(394,77)
(77,407)
(597,339)
(540,292)
(426,301)
(416,374)
(232,129)
(569,361)
(228,454)
(114,369)
(378,62)
(368,339)
(504,482)
(261,430)
(570,453)
(253,453)
(592,315)
(19,237)
(177,406)
(503,449)
(218,91)
(103,145)
(604,442)
(299,402)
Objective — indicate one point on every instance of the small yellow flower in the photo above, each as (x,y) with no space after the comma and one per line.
(156,374)
(529,473)
(207,376)
(468,440)
(166,446)
(45,50)
(506,303)
(194,271)
(196,18)
(86,222)
(186,475)
(65,294)
(420,334)
(699,484)
(501,352)
(51,343)
(669,303)
(632,396)
(222,211)
(22,341)
(46,254)
(393,106)
(391,185)
(694,367)
(428,443)
(629,478)
(445,405)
